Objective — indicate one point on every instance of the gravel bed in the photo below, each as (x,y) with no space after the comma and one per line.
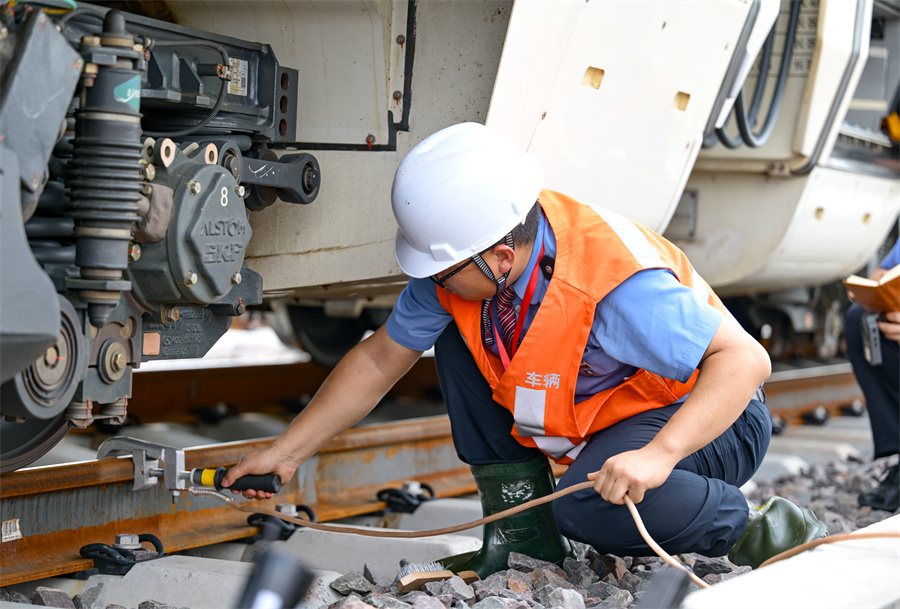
(608,581)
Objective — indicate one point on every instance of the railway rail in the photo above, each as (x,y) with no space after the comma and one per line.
(795,393)
(49,513)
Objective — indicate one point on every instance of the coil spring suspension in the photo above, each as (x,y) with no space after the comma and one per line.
(104,178)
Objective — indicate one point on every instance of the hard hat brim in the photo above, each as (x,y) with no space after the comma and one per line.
(415,263)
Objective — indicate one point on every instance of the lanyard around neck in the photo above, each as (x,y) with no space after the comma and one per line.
(526,302)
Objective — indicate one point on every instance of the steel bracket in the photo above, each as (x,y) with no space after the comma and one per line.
(146,457)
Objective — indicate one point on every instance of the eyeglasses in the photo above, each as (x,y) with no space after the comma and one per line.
(441,280)
(475,258)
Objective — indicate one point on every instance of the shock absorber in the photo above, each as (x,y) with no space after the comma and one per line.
(104,178)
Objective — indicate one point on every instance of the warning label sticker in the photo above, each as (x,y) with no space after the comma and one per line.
(238,83)
(11,530)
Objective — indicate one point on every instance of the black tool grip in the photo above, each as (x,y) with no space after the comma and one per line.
(269,483)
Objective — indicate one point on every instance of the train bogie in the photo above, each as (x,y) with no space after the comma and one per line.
(162,172)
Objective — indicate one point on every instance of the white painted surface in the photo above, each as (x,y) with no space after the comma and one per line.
(756,232)
(621,143)
(345,553)
(857,574)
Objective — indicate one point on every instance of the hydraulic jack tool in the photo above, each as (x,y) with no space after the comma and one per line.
(147,471)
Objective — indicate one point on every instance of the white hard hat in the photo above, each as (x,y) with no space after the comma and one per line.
(458,192)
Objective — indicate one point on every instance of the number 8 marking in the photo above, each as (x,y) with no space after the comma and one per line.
(224,196)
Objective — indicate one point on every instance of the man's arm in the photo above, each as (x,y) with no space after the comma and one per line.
(731,370)
(349,393)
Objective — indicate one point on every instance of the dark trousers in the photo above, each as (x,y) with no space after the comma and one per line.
(698,509)
(880,384)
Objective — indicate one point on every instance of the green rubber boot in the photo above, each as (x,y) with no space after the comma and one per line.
(532,532)
(772,528)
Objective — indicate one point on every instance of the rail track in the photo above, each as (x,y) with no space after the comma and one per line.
(49,513)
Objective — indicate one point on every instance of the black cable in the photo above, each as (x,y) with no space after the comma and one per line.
(721,134)
(755,140)
(764,66)
(712,140)
(223,89)
(746,122)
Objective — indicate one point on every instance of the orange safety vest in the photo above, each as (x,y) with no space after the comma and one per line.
(597,250)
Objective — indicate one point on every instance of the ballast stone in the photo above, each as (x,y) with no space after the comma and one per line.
(151,604)
(352,582)
(12,596)
(454,587)
(50,597)
(565,599)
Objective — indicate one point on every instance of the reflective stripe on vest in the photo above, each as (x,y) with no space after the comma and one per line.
(529,417)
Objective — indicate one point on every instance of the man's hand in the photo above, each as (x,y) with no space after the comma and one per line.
(891,327)
(631,473)
(349,393)
(262,461)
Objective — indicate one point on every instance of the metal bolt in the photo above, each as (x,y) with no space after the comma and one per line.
(169,313)
(310,179)
(127,541)
(118,362)
(231,163)
(236,278)
(413,487)
(194,187)
(401,39)
(190,278)
(240,190)
(288,509)
(51,357)
(149,172)
(146,190)
(397,96)
(113,361)
(134,252)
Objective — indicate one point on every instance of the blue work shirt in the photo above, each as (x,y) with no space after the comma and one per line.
(893,257)
(649,321)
